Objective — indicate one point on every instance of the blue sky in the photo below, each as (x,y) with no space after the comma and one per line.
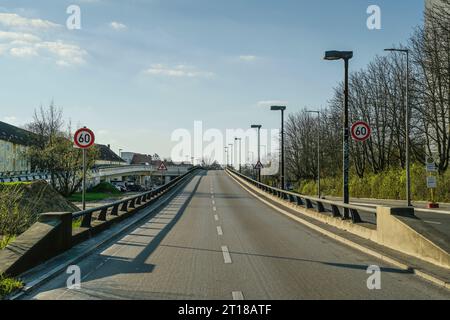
(137,70)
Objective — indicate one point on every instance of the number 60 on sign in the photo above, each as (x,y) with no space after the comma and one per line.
(84,138)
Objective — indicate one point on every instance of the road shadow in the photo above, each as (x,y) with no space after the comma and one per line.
(113,265)
(332,264)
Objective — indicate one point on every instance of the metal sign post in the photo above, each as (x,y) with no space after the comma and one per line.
(84,138)
(83,194)
(432,182)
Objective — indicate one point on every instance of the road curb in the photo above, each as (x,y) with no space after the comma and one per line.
(422,274)
(33,285)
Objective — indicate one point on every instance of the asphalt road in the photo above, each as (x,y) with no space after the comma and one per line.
(215,241)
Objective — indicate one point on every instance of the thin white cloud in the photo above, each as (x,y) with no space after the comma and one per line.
(23,52)
(20,43)
(179,71)
(118,26)
(13,20)
(66,54)
(18,36)
(248,58)
(268,103)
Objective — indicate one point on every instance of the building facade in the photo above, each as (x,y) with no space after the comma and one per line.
(14,143)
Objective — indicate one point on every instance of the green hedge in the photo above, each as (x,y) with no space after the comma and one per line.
(386,185)
(104,187)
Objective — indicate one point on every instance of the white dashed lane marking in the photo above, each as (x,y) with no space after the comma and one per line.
(226,255)
(219,231)
(237,295)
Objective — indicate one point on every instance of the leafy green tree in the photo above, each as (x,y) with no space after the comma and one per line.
(52,150)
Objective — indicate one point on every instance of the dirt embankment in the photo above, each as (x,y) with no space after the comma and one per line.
(40,197)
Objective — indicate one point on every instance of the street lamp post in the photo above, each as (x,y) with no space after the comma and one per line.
(318,153)
(258,127)
(240,153)
(226,154)
(282,109)
(346,56)
(230,148)
(407,126)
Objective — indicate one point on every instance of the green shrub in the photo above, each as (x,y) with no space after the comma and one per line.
(389,184)
(8,285)
(104,187)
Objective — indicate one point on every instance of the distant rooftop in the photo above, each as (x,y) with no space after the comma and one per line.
(15,135)
(106,154)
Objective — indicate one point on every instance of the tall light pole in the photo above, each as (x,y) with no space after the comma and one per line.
(282,109)
(258,127)
(240,153)
(318,152)
(346,56)
(407,122)
(226,154)
(230,148)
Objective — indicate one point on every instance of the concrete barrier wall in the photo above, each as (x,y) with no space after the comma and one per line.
(401,230)
(50,236)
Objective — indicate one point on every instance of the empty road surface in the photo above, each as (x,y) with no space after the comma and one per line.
(216,241)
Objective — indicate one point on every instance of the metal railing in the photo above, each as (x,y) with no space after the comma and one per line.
(133,202)
(337,209)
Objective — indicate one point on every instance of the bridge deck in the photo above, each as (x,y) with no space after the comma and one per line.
(215,241)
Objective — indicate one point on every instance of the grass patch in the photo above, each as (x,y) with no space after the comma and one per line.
(8,285)
(92,196)
(76,223)
(4,241)
(17,183)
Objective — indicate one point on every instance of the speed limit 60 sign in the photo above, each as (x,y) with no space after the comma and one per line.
(361,131)
(84,138)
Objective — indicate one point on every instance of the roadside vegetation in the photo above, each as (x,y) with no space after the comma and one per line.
(385,185)
(15,215)
(52,150)
(8,285)
(100,192)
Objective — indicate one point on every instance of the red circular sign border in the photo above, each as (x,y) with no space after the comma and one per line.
(369,131)
(88,131)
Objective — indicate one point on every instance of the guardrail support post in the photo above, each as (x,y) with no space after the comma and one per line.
(335,211)
(102,215)
(355,216)
(320,207)
(124,206)
(86,222)
(115,210)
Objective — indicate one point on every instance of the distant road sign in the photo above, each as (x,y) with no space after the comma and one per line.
(162,167)
(84,138)
(431,182)
(431,167)
(361,131)
(259,165)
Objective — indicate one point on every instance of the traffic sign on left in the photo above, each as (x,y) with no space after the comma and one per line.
(84,138)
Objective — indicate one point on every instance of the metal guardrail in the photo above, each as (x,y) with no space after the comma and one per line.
(338,209)
(123,205)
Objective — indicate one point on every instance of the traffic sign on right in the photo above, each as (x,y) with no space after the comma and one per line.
(361,131)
